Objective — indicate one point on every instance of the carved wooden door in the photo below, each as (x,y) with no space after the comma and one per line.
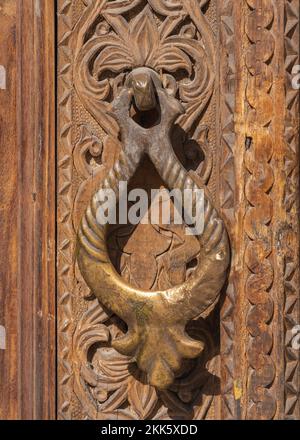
(230,65)
(152,322)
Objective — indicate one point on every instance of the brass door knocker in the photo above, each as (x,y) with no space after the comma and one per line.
(156,321)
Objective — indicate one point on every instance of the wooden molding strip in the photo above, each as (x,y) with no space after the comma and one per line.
(27,174)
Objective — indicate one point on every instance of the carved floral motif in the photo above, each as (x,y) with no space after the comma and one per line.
(110,385)
(109,45)
(176,40)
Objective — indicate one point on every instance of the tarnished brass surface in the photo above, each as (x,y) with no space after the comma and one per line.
(142,86)
(156,321)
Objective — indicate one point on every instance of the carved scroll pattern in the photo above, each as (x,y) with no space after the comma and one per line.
(258,255)
(291,203)
(94,380)
(115,388)
(227,194)
(118,46)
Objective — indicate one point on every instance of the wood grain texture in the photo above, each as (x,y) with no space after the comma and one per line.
(9,316)
(29,212)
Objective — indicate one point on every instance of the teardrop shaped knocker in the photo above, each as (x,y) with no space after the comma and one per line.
(156,321)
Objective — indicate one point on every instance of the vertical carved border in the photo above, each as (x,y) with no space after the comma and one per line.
(260,221)
(291,204)
(65,236)
(227,195)
(262,184)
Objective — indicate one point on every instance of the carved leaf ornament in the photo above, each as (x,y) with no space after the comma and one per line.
(118,47)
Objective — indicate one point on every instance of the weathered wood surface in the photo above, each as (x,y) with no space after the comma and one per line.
(9,317)
(27,170)
(251,154)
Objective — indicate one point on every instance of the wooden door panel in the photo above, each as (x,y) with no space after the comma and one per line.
(112,386)
(239,136)
(234,67)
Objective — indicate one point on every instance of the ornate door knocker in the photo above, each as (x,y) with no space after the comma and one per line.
(156,320)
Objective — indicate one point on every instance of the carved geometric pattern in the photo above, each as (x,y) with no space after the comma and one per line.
(227,193)
(291,205)
(65,242)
